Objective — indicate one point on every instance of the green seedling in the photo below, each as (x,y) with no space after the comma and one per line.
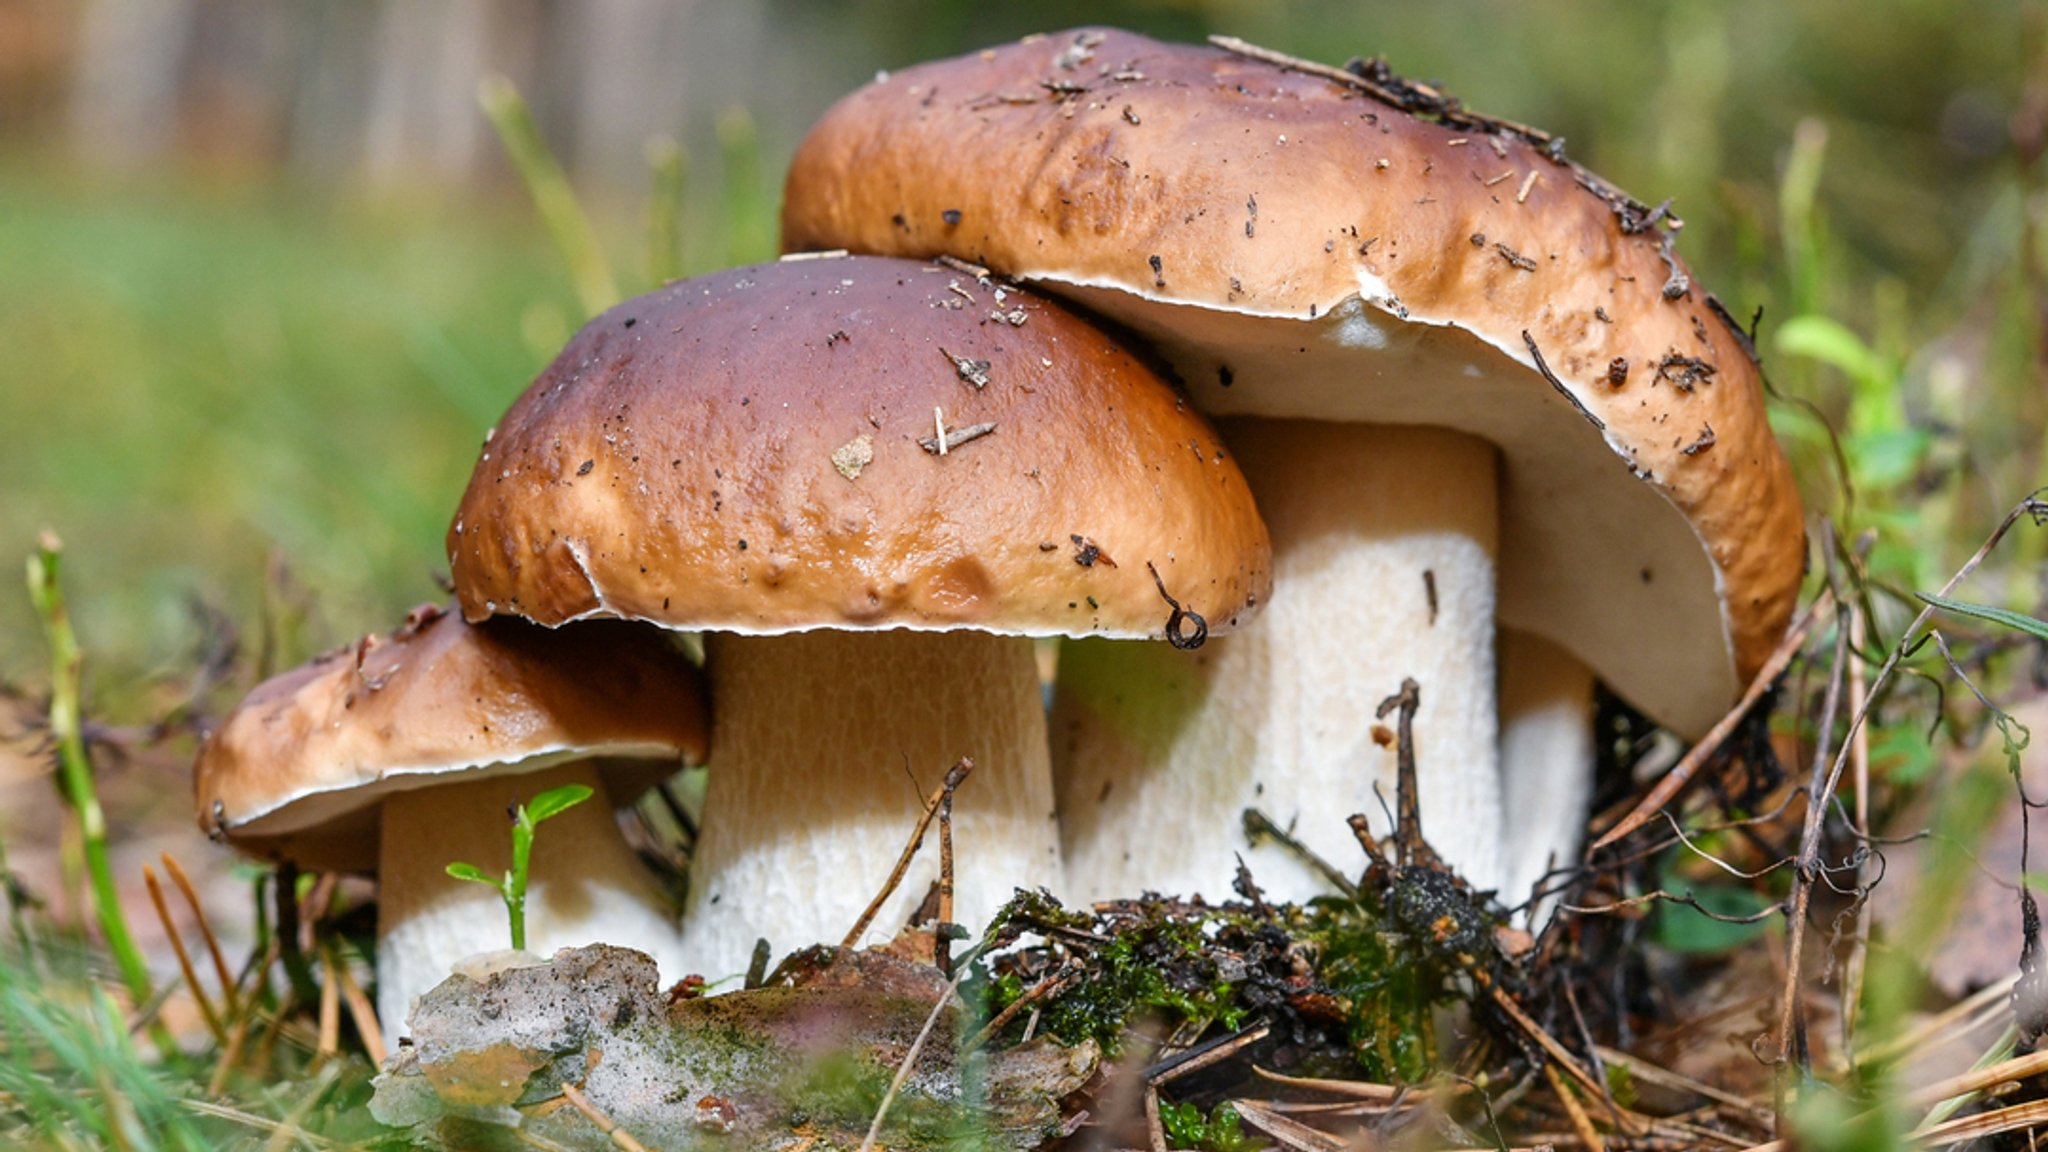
(512,885)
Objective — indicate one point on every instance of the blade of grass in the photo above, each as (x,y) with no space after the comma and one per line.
(2017,621)
(552,196)
(671,168)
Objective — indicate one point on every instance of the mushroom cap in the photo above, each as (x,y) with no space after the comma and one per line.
(298,770)
(755,451)
(1303,241)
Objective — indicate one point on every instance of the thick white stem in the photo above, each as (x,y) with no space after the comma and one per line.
(828,745)
(1546,762)
(1383,568)
(586,884)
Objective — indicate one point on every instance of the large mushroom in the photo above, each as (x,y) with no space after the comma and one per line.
(1469,381)
(869,481)
(400,754)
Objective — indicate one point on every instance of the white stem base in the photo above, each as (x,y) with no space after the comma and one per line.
(828,744)
(1159,751)
(1546,763)
(586,885)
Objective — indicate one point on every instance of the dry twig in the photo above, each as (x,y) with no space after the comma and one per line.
(954,776)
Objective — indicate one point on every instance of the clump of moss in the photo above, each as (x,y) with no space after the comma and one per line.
(1218,1131)
(1346,986)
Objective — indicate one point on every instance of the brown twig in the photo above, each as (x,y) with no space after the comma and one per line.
(1819,790)
(942,933)
(163,913)
(1176,1066)
(330,1009)
(1563,1058)
(945,439)
(1859,759)
(1257,824)
(618,1136)
(360,1011)
(1289,1132)
(1049,986)
(220,963)
(1409,843)
(1582,1124)
(1661,1077)
(1154,1129)
(954,776)
(245,1016)
(1355,1089)
(1681,773)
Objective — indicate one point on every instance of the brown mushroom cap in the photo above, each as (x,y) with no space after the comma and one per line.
(755,452)
(1297,245)
(298,770)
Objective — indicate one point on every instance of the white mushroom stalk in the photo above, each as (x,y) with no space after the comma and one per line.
(586,884)
(1546,764)
(830,743)
(1383,547)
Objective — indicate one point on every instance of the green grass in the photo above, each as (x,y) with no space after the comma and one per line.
(194,382)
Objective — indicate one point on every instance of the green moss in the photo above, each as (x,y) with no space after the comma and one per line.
(1219,1131)
(1351,984)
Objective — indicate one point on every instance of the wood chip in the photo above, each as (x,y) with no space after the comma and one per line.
(950,438)
(973,371)
(849,458)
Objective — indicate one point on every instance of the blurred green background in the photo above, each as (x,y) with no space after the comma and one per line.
(266,278)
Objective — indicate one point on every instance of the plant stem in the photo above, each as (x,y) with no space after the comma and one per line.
(664,209)
(75,767)
(515,880)
(552,196)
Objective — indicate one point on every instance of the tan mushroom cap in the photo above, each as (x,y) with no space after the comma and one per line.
(1296,245)
(298,770)
(755,452)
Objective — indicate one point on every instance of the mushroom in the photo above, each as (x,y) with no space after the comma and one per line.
(1469,381)
(401,753)
(871,481)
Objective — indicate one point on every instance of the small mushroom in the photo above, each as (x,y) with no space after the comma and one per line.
(400,754)
(871,630)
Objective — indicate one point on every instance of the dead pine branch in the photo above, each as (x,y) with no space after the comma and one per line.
(940,795)
(199,997)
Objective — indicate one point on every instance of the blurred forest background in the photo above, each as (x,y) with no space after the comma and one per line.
(266,275)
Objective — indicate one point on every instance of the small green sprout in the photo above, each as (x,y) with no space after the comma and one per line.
(525,818)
